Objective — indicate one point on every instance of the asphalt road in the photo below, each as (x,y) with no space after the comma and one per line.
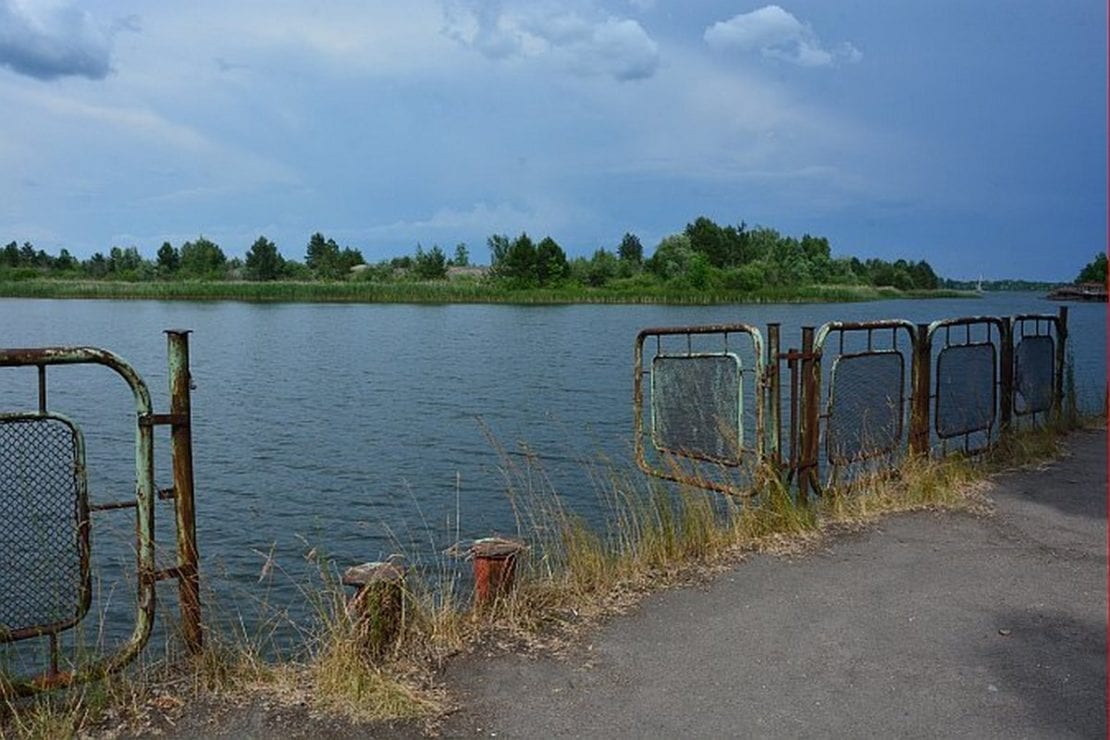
(925,625)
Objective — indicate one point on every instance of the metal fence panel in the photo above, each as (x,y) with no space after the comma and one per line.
(44,570)
(865,408)
(698,397)
(965,389)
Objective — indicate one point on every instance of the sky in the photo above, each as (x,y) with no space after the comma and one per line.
(969,134)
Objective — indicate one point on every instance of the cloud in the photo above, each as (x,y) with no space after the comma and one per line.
(777,34)
(54,41)
(617,47)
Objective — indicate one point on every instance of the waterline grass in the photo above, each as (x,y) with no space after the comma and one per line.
(462,291)
(572,575)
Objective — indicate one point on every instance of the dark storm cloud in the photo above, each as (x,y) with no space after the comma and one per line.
(60,42)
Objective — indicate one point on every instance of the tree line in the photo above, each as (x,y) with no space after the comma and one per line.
(703,256)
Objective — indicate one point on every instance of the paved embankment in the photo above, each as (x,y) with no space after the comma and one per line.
(924,625)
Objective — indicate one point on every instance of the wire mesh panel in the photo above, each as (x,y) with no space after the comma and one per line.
(966,355)
(865,408)
(965,389)
(697,406)
(44,573)
(863,382)
(1034,374)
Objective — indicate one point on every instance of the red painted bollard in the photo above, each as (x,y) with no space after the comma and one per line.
(494,568)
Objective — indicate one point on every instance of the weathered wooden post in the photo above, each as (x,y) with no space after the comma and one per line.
(377,610)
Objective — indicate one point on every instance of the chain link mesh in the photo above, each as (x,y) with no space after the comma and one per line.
(1034,360)
(865,406)
(965,389)
(41,508)
(697,406)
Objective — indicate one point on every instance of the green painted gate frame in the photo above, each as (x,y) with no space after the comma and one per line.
(638,398)
(186,571)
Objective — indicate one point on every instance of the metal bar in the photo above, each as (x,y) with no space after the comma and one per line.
(810,438)
(113,506)
(792,363)
(1006,374)
(774,392)
(920,371)
(42,389)
(1061,358)
(181,446)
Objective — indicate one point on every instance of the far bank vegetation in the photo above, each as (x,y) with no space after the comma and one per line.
(705,260)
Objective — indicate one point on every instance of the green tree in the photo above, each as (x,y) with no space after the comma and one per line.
(322,256)
(169,259)
(95,266)
(630,250)
(499,245)
(1093,272)
(462,256)
(602,268)
(550,264)
(10,256)
(264,261)
(203,259)
(125,262)
(923,277)
(430,265)
(671,258)
(519,263)
(65,261)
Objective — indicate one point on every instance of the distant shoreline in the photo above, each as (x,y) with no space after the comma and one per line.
(442,292)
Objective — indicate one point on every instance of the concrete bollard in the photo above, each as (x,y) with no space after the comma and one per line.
(494,568)
(377,608)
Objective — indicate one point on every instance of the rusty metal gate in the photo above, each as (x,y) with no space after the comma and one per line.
(46,519)
(704,412)
(868,391)
(859,395)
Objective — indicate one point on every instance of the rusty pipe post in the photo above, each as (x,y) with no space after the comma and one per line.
(920,379)
(494,568)
(181,448)
(1061,359)
(1006,374)
(809,432)
(774,392)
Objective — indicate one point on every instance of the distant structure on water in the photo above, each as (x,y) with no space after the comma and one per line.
(1080,292)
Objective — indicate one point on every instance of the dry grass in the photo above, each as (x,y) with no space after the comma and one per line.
(572,575)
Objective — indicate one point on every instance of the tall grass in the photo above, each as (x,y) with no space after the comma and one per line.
(462,291)
(654,534)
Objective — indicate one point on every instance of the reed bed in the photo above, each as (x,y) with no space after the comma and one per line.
(462,291)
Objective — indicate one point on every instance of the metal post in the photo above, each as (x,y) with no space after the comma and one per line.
(1061,358)
(809,433)
(774,393)
(920,378)
(1006,375)
(181,446)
